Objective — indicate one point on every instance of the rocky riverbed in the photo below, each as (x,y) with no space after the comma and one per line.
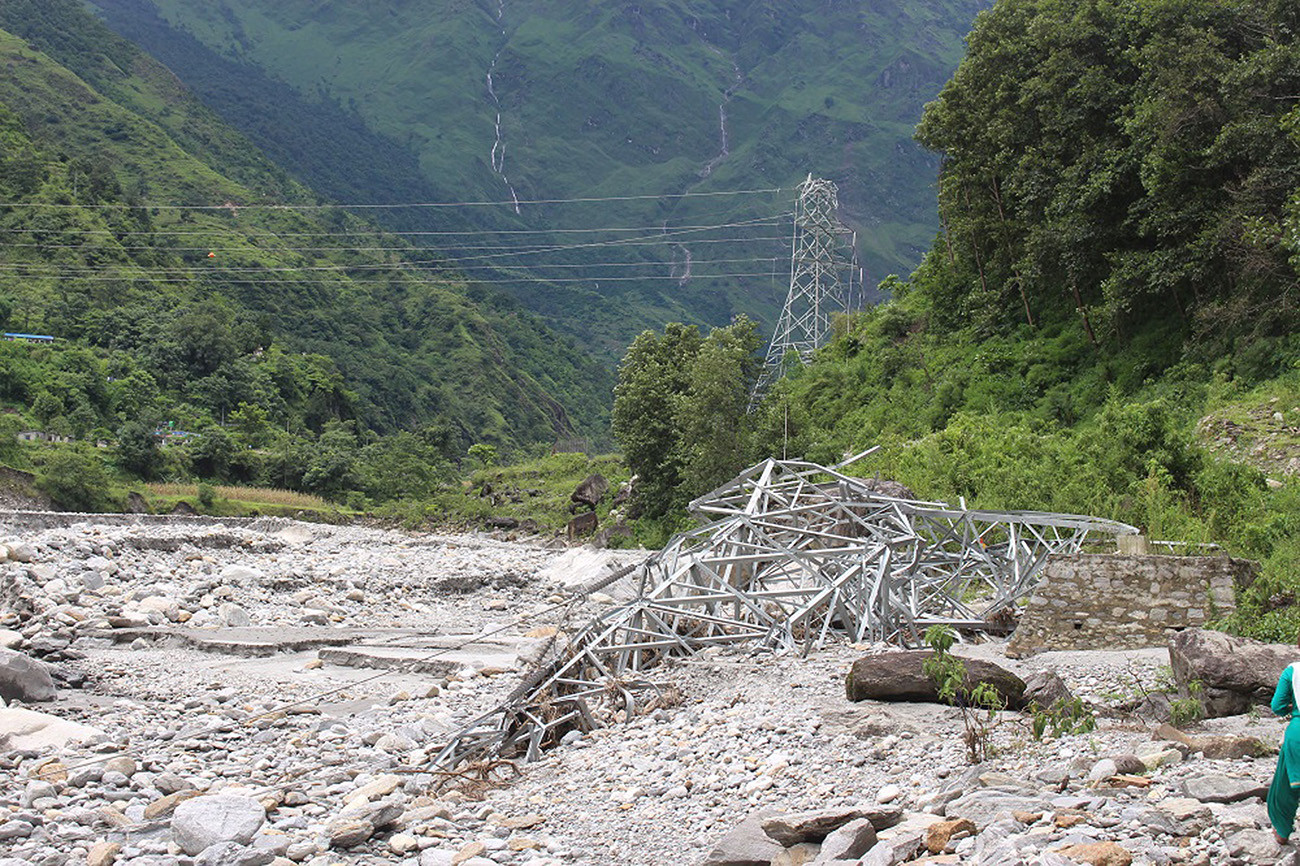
(273,692)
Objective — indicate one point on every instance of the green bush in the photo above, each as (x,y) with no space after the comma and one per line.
(76,481)
(207,494)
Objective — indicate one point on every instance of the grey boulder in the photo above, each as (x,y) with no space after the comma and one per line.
(900,676)
(23,678)
(814,826)
(1235,673)
(202,822)
(1217,788)
(746,845)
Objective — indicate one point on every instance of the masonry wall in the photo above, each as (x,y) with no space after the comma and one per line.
(1108,601)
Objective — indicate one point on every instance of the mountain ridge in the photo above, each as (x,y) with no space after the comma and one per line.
(604,100)
(111,243)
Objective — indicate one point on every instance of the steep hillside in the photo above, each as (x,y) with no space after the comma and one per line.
(136,223)
(559,100)
(1108,323)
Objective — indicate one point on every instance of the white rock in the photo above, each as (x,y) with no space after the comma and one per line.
(27,729)
(205,821)
(234,616)
(888,794)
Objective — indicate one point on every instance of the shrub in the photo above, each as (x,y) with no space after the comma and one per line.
(76,481)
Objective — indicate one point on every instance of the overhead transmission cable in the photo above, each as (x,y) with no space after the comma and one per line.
(231,206)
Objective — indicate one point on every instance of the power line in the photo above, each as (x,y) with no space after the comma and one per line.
(232,207)
(154,230)
(76,270)
(239,281)
(341,249)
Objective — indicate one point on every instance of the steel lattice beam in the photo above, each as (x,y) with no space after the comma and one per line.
(796,552)
(817,288)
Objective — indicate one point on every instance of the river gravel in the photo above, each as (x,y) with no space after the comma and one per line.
(344,775)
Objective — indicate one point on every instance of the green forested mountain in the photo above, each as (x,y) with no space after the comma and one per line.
(122,238)
(592,100)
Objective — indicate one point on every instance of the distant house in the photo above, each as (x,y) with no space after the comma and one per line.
(41,436)
(29,338)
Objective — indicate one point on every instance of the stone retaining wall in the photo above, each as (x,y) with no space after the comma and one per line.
(1108,601)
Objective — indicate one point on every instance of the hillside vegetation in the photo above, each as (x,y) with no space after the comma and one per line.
(170,308)
(1121,195)
(593,100)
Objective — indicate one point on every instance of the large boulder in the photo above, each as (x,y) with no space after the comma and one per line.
(791,828)
(202,822)
(1047,689)
(898,676)
(584,524)
(746,845)
(592,489)
(1235,673)
(30,730)
(23,678)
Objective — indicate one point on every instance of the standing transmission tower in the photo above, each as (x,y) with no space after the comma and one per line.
(817,287)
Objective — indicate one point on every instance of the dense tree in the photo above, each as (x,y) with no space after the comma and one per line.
(679,410)
(1123,164)
(137,450)
(76,480)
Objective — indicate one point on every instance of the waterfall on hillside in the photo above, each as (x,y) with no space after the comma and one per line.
(497,157)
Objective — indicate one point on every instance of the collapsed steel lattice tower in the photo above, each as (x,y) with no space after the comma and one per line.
(795,552)
(817,287)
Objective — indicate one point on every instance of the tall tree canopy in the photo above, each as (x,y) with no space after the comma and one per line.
(1127,163)
(679,410)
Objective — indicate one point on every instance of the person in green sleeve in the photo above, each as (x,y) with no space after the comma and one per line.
(1284,793)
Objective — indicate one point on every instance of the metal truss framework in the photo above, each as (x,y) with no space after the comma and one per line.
(816,285)
(795,553)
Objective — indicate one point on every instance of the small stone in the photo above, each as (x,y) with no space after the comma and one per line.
(20,551)
(1097,854)
(888,794)
(402,843)
(849,842)
(37,790)
(523,822)
(469,852)
(170,783)
(1103,769)
(349,832)
(234,616)
(937,836)
(103,853)
(381,787)
(121,764)
(15,830)
(164,806)
(50,771)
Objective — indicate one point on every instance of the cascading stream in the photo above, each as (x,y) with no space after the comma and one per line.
(497,157)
